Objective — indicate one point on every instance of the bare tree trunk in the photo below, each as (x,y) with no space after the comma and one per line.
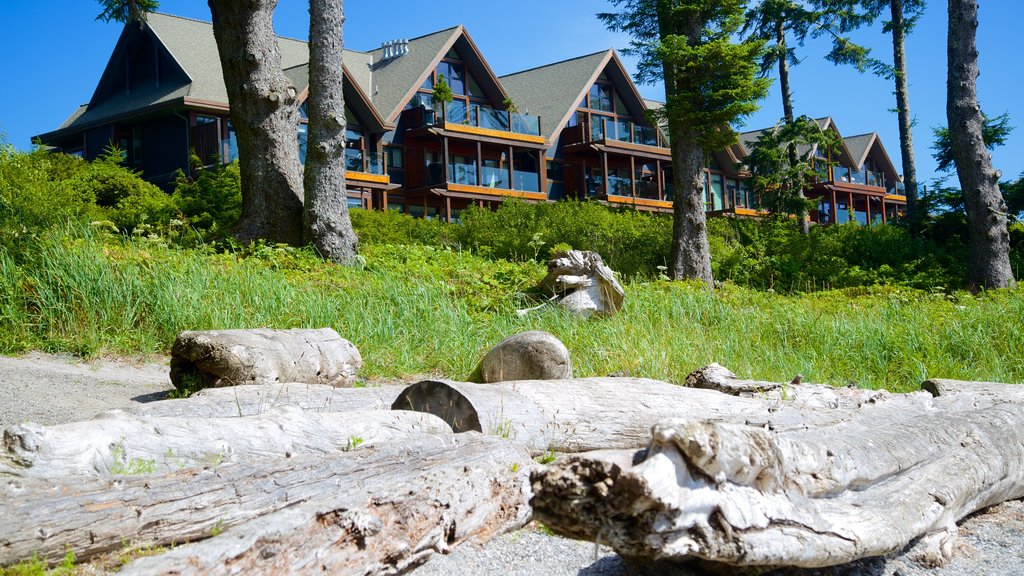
(787,112)
(899,58)
(691,254)
(426,486)
(265,119)
(327,223)
(986,209)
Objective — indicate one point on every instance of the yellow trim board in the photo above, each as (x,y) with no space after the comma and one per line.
(638,201)
(506,134)
(896,197)
(470,189)
(367,177)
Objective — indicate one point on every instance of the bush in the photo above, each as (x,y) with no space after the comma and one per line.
(211,202)
(391,227)
(122,195)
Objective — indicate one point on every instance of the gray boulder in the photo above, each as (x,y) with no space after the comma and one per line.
(533,355)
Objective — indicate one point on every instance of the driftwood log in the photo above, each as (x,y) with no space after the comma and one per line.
(741,495)
(251,400)
(576,415)
(386,505)
(216,358)
(120,443)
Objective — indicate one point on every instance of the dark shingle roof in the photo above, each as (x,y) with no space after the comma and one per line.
(393,79)
(859,146)
(552,91)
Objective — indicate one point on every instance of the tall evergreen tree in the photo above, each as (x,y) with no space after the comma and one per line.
(903,14)
(710,82)
(986,210)
(327,221)
(125,11)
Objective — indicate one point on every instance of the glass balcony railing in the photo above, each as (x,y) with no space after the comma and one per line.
(492,119)
(858,177)
(494,177)
(647,189)
(462,173)
(367,162)
(876,179)
(526,181)
(619,186)
(623,131)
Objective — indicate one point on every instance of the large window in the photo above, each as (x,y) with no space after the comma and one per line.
(600,97)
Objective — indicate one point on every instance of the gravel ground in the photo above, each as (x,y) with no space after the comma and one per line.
(52,389)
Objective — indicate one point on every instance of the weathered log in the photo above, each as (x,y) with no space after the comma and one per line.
(250,400)
(120,443)
(575,415)
(218,358)
(440,488)
(387,530)
(582,283)
(746,496)
(797,393)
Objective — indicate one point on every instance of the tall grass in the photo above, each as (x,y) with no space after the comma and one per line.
(417,310)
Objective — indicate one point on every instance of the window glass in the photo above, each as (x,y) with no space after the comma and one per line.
(454,74)
(395,158)
(303,138)
(620,106)
(601,97)
(475,91)
(304,109)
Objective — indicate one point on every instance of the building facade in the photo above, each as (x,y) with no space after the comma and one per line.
(573,129)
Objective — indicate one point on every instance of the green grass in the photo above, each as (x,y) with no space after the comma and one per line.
(418,310)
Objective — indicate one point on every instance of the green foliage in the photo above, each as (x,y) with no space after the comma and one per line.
(125,466)
(994,132)
(783,164)
(852,14)
(35,566)
(392,227)
(442,91)
(211,201)
(710,81)
(125,11)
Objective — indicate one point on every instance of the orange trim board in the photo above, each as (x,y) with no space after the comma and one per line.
(508,135)
(896,197)
(470,189)
(366,177)
(639,201)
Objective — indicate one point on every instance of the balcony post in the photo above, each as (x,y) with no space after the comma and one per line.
(660,179)
(632,176)
(540,129)
(479,160)
(477,115)
(883,210)
(834,214)
(444,158)
(511,170)
(604,171)
(867,207)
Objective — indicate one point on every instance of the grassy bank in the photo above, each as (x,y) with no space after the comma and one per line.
(416,309)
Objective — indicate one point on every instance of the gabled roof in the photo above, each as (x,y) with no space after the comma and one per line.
(748,139)
(354,96)
(553,91)
(864,145)
(191,45)
(397,79)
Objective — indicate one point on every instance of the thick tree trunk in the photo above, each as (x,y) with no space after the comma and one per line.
(750,496)
(690,257)
(215,358)
(899,58)
(265,118)
(255,399)
(576,415)
(986,210)
(327,222)
(402,499)
(121,443)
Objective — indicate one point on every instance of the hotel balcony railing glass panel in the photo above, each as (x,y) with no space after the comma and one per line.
(619,186)
(368,162)
(462,173)
(647,189)
(646,135)
(494,177)
(876,179)
(491,119)
(527,181)
(858,177)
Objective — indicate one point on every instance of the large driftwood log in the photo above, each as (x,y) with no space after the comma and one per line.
(575,415)
(120,443)
(217,358)
(251,400)
(746,496)
(441,489)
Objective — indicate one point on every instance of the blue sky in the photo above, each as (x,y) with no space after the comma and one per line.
(55,52)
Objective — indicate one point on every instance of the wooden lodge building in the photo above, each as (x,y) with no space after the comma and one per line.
(577,128)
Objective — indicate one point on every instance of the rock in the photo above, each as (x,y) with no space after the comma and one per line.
(533,355)
(583,284)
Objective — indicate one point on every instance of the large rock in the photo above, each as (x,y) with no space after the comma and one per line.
(533,355)
(215,358)
(583,284)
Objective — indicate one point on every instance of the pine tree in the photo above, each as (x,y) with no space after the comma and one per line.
(710,82)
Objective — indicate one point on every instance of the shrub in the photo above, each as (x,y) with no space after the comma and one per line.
(121,194)
(391,227)
(210,202)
